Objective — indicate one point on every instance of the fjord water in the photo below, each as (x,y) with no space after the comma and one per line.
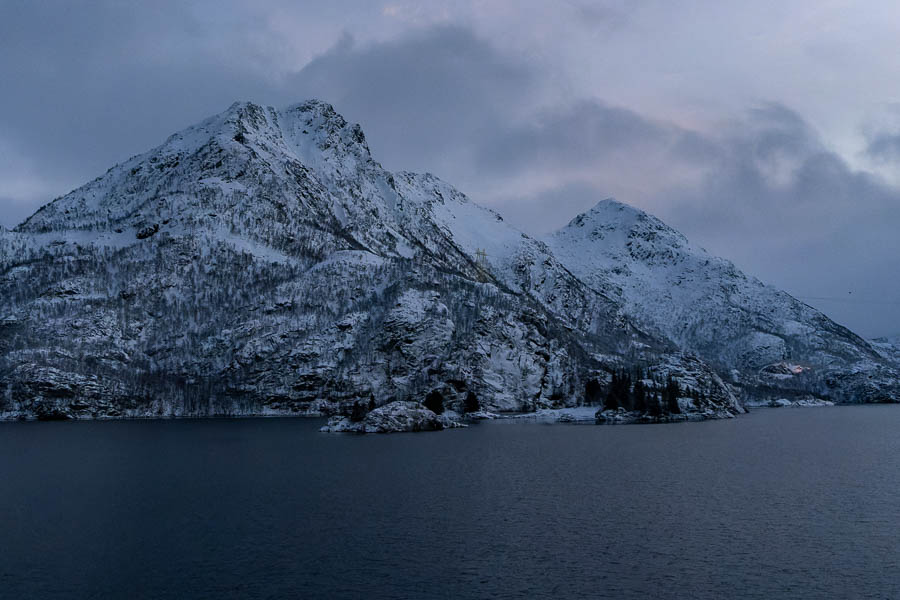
(788,503)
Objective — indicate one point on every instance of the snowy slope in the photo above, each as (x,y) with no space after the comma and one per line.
(760,337)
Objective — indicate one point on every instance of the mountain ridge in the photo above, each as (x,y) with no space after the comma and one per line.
(262,262)
(697,300)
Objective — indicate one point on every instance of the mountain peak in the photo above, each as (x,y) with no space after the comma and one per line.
(319,119)
(609,212)
(611,203)
(242,112)
(613,206)
(318,107)
(244,138)
(618,229)
(242,106)
(248,123)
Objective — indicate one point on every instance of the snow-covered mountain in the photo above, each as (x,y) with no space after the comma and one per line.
(760,338)
(262,262)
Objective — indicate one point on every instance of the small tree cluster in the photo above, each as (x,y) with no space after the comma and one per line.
(472,404)
(670,396)
(630,392)
(359,411)
(619,393)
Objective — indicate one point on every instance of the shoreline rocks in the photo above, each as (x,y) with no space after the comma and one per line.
(394,417)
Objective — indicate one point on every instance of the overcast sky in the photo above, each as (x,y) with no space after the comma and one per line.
(767,131)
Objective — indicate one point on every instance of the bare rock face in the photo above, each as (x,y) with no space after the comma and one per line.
(263,263)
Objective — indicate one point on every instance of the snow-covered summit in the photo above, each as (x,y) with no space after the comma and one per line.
(308,138)
(618,225)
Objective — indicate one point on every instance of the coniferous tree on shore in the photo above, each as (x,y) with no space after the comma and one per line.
(670,396)
(640,396)
(653,405)
(359,411)
(593,392)
(434,402)
(472,404)
(612,397)
(619,394)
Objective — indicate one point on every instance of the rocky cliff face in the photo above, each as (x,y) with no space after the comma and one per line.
(262,262)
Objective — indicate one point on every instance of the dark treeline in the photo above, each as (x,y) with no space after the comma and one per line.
(637,391)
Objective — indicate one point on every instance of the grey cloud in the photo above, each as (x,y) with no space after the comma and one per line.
(424,100)
(13,210)
(590,140)
(764,165)
(572,135)
(552,208)
(89,84)
(884,147)
(818,229)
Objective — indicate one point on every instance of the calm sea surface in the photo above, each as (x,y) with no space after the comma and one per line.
(787,503)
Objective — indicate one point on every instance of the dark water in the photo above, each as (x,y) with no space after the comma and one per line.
(787,503)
